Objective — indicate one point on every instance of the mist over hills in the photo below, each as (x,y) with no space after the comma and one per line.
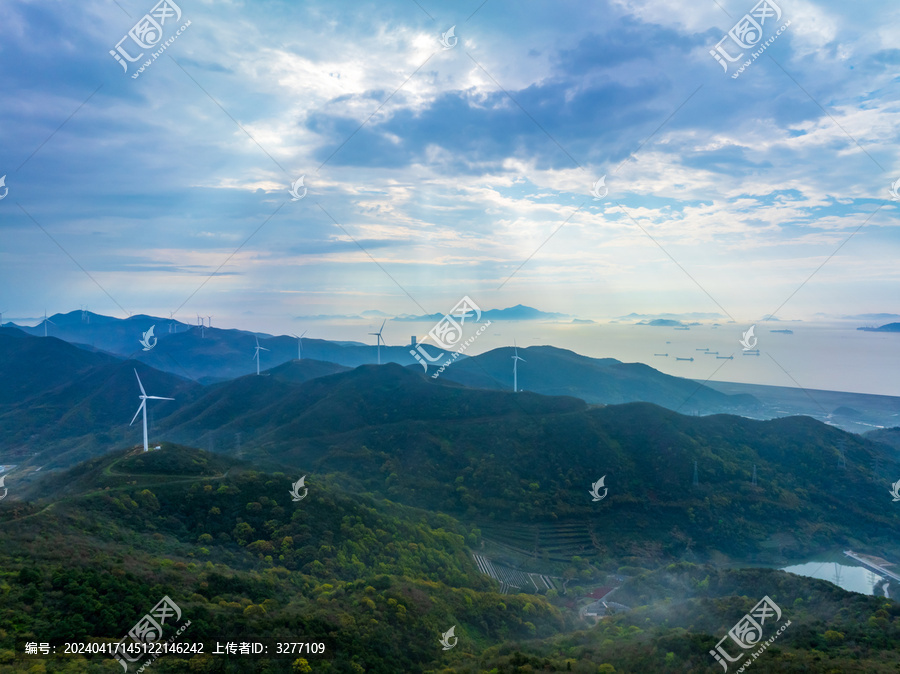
(222,355)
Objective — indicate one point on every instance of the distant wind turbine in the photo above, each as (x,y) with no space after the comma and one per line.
(171,321)
(1,319)
(379,340)
(515,360)
(210,321)
(256,353)
(46,320)
(299,344)
(144,398)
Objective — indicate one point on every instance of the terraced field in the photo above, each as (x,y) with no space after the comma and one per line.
(511,579)
(556,542)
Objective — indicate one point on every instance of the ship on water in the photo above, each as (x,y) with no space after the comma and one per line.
(725,357)
(712,353)
(783,332)
(661,354)
(691,358)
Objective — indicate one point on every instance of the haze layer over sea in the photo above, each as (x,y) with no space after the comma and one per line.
(828,356)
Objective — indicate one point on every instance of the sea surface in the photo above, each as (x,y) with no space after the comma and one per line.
(826,356)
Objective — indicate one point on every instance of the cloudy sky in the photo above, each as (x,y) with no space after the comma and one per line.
(435,170)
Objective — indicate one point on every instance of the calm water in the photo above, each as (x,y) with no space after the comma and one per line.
(834,357)
(843,572)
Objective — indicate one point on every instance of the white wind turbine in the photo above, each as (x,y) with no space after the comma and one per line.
(256,353)
(299,344)
(47,320)
(1,319)
(379,340)
(210,321)
(515,360)
(144,398)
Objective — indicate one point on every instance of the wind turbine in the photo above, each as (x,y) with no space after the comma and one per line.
(210,321)
(515,360)
(256,354)
(171,321)
(144,398)
(1,319)
(201,324)
(46,320)
(299,344)
(379,340)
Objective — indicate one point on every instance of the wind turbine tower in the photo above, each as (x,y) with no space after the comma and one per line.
(300,345)
(515,360)
(46,320)
(143,408)
(256,354)
(1,319)
(379,340)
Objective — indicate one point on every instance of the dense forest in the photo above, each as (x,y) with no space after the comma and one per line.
(381,582)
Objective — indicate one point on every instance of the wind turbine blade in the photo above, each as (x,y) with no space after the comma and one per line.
(304,332)
(158,398)
(143,402)
(382,326)
(143,392)
(262,348)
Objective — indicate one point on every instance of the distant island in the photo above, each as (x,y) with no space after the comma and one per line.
(889,327)
(666,323)
(517,313)
(661,322)
(784,332)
